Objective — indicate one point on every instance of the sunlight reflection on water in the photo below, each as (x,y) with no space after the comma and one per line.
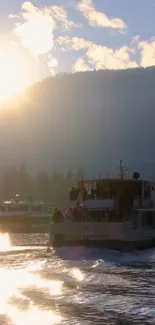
(14,280)
(78,275)
(33,314)
(99,287)
(5,243)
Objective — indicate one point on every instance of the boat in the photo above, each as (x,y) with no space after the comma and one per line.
(111,213)
(25,216)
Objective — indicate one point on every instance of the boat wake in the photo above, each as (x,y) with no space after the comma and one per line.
(21,250)
(108,256)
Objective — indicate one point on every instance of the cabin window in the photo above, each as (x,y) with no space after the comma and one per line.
(103,215)
(135,219)
(93,215)
(127,216)
(112,216)
(149,219)
(97,216)
(143,220)
(153,217)
(147,192)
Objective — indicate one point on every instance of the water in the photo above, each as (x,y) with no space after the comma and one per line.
(73,285)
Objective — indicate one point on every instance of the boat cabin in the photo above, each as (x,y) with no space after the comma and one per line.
(113,193)
(113,213)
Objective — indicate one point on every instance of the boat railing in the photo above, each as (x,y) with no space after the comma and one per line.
(92,204)
(112,203)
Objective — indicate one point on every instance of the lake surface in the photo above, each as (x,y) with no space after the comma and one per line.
(73,285)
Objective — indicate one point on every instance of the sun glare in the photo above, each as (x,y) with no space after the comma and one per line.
(13,77)
(5,244)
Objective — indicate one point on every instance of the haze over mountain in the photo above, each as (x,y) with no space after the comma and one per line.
(89,119)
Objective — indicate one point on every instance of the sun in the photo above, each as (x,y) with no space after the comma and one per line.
(13,76)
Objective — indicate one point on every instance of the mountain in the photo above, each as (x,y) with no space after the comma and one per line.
(89,119)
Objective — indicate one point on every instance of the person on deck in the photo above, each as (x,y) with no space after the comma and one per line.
(57,216)
(92,193)
(72,194)
(98,192)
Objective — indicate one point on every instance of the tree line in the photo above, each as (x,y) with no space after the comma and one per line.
(53,187)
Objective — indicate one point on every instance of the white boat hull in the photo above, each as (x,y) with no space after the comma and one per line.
(112,235)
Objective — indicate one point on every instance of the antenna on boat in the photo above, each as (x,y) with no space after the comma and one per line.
(122,169)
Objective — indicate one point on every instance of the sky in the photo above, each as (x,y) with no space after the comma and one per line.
(41,38)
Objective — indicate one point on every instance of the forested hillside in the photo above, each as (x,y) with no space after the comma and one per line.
(89,119)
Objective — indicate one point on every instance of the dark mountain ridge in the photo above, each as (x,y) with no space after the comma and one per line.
(88,119)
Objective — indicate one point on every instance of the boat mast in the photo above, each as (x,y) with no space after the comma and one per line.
(122,169)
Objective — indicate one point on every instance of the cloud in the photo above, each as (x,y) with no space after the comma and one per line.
(74,43)
(147,50)
(81,65)
(58,13)
(99,56)
(35,28)
(98,18)
(52,64)
(102,57)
